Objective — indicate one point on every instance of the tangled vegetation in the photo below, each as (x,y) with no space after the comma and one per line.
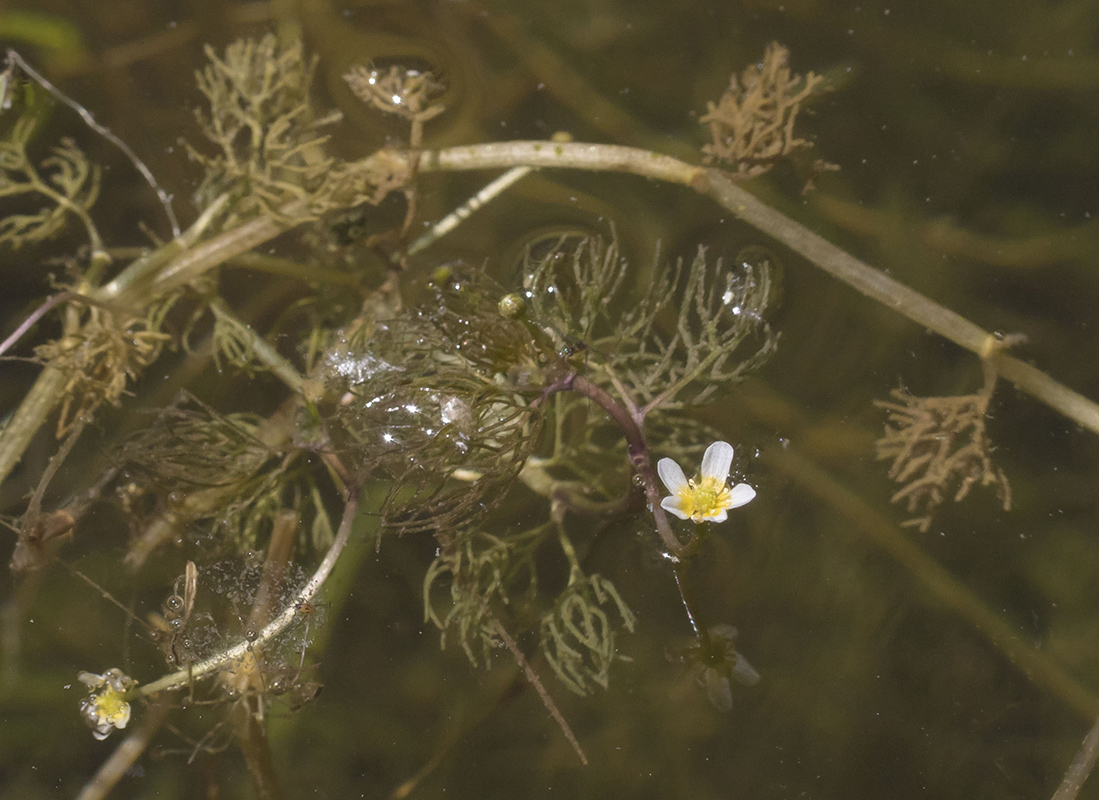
(433,404)
(448,407)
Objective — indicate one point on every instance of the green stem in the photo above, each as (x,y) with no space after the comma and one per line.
(308,273)
(939,584)
(177,263)
(99,254)
(143,270)
(31,415)
(260,347)
(575,572)
(127,289)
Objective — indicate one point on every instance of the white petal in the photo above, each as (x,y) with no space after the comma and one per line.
(718,691)
(718,516)
(725,631)
(672,475)
(91,680)
(744,672)
(672,505)
(717,460)
(740,495)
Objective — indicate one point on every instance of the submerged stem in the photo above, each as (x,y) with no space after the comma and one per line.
(939,584)
(1081,766)
(31,415)
(895,295)
(836,262)
(536,682)
(570,155)
(275,626)
(264,352)
(13,58)
(179,262)
(639,456)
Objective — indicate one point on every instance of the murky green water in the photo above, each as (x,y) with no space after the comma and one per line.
(960,662)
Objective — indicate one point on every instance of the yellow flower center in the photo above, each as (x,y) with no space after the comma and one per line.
(705,498)
(110,706)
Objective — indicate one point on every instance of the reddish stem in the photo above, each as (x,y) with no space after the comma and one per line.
(42,310)
(638,451)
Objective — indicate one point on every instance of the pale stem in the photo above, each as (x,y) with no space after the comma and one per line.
(825,255)
(892,294)
(1081,766)
(183,266)
(464,211)
(571,155)
(227,658)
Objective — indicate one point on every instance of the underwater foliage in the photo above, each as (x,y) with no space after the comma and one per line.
(65,180)
(752,125)
(940,450)
(448,408)
(508,427)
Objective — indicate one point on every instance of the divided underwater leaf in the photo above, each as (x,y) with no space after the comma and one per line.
(675,345)
(226,475)
(262,120)
(407,93)
(578,637)
(574,317)
(433,403)
(102,356)
(752,125)
(66,180)
(480,571)
(940,449)
(273,159)
(441,409)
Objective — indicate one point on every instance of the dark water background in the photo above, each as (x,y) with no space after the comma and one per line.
(968,141)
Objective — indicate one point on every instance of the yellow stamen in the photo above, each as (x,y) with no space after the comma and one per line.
(110,706)
(705,498)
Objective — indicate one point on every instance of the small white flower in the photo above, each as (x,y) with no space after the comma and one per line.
(106,708)
(706,499)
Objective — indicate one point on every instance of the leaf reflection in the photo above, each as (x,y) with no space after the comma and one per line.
(712,660)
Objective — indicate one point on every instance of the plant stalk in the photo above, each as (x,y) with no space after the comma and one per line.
(836,262)
(276,626)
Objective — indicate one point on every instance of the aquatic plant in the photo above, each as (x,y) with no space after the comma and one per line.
(940,448)
(432,415)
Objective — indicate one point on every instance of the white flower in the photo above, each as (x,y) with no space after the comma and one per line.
(106,708)
(707,498)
